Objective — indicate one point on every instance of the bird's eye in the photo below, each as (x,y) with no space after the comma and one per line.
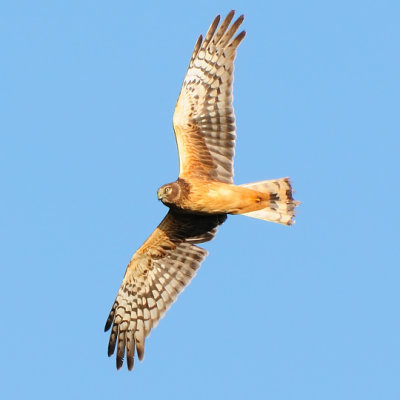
(167,190)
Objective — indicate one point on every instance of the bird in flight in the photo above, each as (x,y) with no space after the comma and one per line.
(199,200)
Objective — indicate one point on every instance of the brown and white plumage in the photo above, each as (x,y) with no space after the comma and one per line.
(200,199)
(204,121)
(158,271)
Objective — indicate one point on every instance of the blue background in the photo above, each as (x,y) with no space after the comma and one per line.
(87,92)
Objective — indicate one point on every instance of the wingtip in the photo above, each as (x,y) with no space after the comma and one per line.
(216,20)
(131,363)
(140,348)
(140,353)
(119,362)
(107,326)
(232,13)
(110,350)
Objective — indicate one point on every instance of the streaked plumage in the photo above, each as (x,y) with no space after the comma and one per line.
(204,125)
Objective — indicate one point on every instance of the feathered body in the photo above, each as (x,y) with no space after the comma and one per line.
(200,196)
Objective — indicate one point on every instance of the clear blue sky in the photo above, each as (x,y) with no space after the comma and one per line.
(87,92)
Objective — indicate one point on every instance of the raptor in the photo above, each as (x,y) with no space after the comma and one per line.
(199,200)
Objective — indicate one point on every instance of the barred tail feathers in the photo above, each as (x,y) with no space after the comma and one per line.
(281,207)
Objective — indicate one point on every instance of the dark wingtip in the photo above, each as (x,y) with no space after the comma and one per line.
(111,348)
(110,318)
(239,21)
(119,362)
(130,362)
(140,352)
(108,325)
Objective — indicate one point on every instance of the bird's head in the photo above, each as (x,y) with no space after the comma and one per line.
(169,193)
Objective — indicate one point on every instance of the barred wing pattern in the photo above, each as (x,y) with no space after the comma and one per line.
(204,120)
(159,270)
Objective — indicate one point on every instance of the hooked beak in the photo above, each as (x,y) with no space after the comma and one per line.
(159,196)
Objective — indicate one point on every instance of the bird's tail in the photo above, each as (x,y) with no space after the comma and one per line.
(281,205)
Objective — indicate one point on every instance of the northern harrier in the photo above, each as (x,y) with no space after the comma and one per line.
(199,200)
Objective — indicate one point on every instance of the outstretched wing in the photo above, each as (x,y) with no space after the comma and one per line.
(204,120)
(156,274)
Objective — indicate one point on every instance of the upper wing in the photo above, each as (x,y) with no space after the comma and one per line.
(156,274)
(204,121)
